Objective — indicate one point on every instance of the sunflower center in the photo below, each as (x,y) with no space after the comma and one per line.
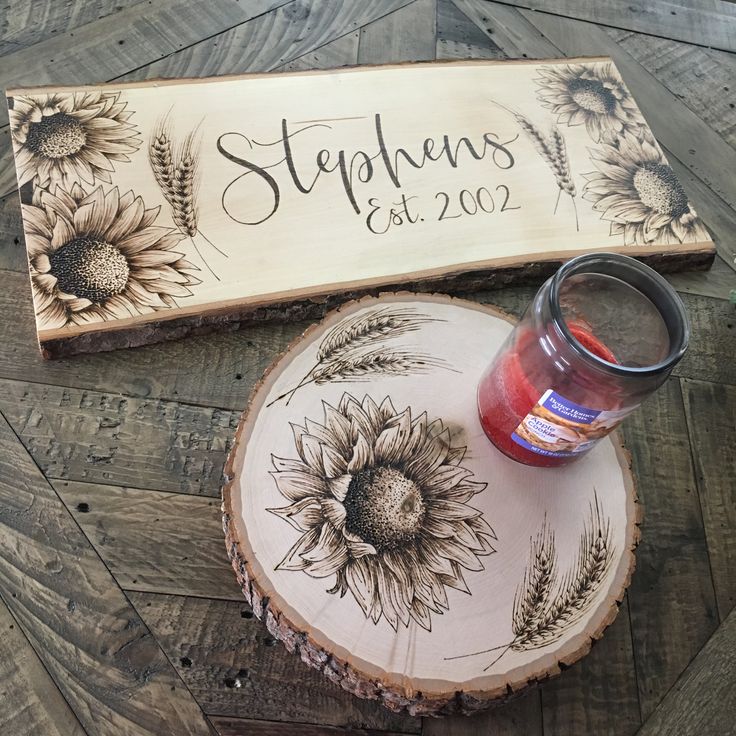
(592,95)
(56,136)
(90,269)
(659,190)
(384,507)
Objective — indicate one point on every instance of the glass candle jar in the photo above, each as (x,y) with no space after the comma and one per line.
(600,336)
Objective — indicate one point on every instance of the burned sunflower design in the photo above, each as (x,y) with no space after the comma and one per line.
(99,256)
(591,94)
(637,191)
(70,138)
(381,502)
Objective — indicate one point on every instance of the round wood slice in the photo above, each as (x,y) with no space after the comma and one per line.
(383,538)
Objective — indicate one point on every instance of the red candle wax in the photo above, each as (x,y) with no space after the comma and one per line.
(509,392)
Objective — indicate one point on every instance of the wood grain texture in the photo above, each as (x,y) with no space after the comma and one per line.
(407,34)
(705,22)
(270,40)
(100,437)
(234,667)
(218,370)
(30,702)
(24,24)
(99,652)
(671,598)
(188,557)
(711,417)
(719,217)
(679,129)
(459,38)
(718,282)
(112,46)
(343,51)
(598,695)
(508,29)
(522,715)
(12,249)
(703,700)
(711,341)
(249,727)
(702,78)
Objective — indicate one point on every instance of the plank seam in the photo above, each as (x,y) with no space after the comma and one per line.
(518,5)
(38,656)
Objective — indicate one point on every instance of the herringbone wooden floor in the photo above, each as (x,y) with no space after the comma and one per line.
(119,611)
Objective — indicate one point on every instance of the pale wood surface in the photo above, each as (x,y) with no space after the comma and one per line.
(431,652)
(182,397)
(209,271)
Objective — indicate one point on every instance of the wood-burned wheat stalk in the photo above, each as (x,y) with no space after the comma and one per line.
(553,150)
(178,179)
(544,610)
(343,354)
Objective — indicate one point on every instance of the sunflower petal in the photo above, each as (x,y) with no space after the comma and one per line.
(361,584)
(421,614)
(339,427)
(454,551)
(334,512)
(63,233)
(296,485)
(303,515)
(293,559)
(339,486)
(335,558)
(447,476)
(311,453)
(363,455)
(333,462)
(141,240)
(126,222)
(391,443)
(280,463)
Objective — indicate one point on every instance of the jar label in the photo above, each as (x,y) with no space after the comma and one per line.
(558,427)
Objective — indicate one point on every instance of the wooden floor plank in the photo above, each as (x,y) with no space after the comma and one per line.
(597,695)
(520,716)
(711,341)
(30,702)
(703,700)
(108,438)
(247,727)
(24,24)
(717,283)
(218,370)
(235,668)
(99,652)
(342,51)
(704,79)
(109,47)
(188,557)
(459,38)
(671,598)
(679,129)
(508,29)
(273,39)
(705,22)
(711,417)
(408,34)
(12,244)
(717,215)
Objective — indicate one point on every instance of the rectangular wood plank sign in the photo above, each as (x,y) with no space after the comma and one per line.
(154,209)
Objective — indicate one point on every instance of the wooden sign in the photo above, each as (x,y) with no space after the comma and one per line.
(152,209)
(383,538)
